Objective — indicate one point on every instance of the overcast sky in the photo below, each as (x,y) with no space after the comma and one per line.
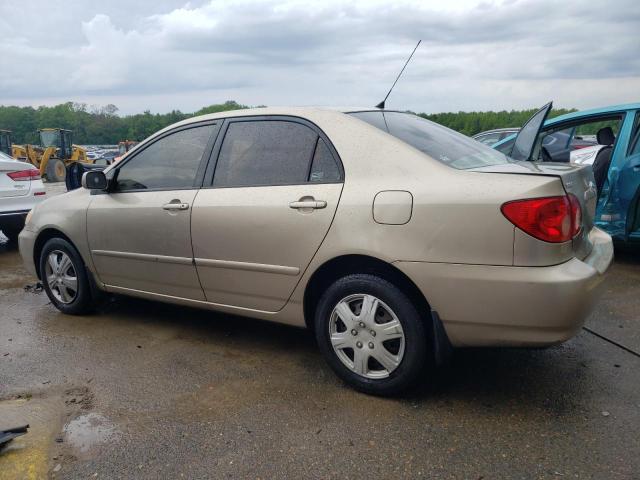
(172,54)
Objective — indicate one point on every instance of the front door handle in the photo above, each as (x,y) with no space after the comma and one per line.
(175,205)
(308,204)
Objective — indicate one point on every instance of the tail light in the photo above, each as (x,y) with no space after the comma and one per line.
(552,219)
(24,175)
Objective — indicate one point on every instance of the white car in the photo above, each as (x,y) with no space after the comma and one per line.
(21,188)
(586,155)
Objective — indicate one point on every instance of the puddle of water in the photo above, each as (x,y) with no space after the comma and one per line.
(91,430)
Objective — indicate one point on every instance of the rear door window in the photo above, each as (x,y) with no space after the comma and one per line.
(324,168)
(267,152)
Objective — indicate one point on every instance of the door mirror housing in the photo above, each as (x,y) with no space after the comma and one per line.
(95,180)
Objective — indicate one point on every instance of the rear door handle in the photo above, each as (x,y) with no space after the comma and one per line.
(314,204)
(175,206)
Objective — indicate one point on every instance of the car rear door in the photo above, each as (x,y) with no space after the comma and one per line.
(139,232)
(262,216)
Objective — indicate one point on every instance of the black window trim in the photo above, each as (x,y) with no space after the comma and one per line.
(215,153)
(200,172)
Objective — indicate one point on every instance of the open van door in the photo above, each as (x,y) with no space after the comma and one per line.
(527,138)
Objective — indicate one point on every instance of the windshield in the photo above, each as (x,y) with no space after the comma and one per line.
(49,138)
(441,143)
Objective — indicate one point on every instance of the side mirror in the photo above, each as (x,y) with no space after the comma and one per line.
(95,180)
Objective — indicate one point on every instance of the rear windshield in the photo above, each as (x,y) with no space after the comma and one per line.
(441,143)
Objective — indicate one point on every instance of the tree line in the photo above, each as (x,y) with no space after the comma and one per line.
(93,125)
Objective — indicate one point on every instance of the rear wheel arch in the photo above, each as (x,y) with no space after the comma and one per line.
(344,265)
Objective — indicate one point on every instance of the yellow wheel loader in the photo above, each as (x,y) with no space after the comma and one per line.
(55,152)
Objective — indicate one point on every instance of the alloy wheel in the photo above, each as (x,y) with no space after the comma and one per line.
(61,276)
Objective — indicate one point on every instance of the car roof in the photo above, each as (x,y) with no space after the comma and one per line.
(303,112)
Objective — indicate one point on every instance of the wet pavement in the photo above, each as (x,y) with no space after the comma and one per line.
(147,390)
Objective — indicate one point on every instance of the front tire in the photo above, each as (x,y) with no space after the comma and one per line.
(65,278)
(371,334)
(56,170)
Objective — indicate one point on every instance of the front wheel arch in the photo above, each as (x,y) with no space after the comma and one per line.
(43,237)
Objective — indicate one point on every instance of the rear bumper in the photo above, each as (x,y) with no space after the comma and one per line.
(484,305)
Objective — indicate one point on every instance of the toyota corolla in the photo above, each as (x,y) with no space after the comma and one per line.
(390,236)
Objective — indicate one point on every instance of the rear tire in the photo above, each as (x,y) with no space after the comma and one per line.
(56,170)
(381,347)
(65,278)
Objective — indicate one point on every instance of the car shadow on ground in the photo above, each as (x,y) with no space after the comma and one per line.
(548,378)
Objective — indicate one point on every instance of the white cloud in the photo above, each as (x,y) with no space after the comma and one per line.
(475,55)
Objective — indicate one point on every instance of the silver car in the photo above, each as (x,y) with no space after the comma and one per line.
(390,236)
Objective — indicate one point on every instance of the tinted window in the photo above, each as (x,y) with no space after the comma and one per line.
(324,168)
(374,118)
(441,143)
(169,163)
(269,152)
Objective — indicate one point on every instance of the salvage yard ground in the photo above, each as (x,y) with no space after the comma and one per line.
(146,390)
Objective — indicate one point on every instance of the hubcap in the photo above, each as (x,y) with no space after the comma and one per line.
(367,336)
(61,277)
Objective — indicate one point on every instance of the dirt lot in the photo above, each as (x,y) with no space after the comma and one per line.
(145,390)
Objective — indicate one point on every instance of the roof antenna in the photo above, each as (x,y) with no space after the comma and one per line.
(381,104)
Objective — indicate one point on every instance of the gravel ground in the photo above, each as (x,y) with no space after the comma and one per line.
(146,390)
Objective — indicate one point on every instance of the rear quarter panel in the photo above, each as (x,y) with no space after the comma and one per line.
(456,214)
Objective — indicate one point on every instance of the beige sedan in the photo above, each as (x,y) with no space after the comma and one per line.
(392,237)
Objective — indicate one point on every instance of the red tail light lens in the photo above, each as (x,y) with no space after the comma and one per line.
(24,175)
(552,219)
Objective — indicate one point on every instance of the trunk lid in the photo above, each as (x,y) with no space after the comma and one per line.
(576,179)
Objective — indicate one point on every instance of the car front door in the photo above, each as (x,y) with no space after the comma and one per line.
(139,231)
(265,212)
